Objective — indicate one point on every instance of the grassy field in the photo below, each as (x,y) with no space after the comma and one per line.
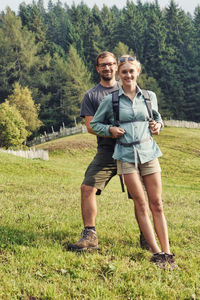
(40,208)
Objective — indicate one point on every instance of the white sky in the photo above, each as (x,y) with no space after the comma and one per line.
(186,5)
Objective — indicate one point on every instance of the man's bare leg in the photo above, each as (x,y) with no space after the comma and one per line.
(89,238)
(88,205)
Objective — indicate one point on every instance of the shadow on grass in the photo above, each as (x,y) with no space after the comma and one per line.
(12,236)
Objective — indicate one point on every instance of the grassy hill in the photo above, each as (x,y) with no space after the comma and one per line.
(40,208)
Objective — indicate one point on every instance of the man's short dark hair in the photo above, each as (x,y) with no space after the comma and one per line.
(104,54)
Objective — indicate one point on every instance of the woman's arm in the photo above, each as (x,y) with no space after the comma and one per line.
(104,112)
(157,124)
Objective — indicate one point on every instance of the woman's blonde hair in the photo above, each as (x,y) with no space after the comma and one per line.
(131,59)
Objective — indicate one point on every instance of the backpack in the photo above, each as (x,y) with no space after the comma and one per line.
(115,104)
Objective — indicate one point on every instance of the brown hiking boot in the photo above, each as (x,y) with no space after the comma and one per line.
(171,264)
(88,241)
(143,243)
(159,259)
(164,261)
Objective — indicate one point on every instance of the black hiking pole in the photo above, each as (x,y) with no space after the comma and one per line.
(122,183)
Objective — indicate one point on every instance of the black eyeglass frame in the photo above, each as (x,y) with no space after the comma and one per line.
(103,66)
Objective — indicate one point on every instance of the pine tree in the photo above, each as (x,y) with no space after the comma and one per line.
(52,93)
(107,27)
(149,83)
(18,53)
(78,82)
(154,46)
(60,30)
(131,29)
(191,105)
(32,16)
(175,59)
(121,49)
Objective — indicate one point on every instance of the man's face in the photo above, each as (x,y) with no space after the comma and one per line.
(107,68)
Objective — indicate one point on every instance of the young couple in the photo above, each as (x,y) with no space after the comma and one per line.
(130,152)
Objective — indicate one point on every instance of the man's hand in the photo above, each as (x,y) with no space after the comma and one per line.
(154,127)
(116,132)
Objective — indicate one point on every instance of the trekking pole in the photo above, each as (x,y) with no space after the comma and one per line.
(122,183)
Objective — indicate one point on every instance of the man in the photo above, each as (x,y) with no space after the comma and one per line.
(103,167)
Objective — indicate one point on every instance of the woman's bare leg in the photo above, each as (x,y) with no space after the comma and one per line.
(153,187)
(135,188)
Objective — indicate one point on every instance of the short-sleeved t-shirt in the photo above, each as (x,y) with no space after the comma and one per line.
(89,105)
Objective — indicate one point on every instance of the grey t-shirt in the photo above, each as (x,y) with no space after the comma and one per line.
(89,105)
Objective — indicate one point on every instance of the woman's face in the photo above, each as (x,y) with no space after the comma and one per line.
(128,74)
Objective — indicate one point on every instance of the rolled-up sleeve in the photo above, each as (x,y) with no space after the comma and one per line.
(156,114)
(102,117)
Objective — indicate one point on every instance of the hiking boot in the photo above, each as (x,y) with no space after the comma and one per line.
(164,261)
(159,259)
(143,243)
(88,241)
(171,264)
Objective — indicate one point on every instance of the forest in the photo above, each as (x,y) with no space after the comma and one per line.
(48,56)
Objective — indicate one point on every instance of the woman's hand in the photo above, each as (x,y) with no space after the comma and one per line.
(116,132)
(154,127)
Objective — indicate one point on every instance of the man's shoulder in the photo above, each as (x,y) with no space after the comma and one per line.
(101,89)
(94,89)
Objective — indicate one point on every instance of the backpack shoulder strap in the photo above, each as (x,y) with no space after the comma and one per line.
(148,103)
(115,104)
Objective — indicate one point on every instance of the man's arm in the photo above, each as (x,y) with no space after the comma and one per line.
(87,124)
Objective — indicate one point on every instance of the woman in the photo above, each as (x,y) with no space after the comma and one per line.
(137,155)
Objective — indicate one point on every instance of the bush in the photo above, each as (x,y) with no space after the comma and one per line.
(12,126)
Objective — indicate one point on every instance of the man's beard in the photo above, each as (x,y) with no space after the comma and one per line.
(108,78)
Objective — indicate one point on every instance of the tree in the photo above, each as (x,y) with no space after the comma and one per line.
(149,83)
(121,49)
(59,27)
(53,92)
(22,100)
(154,46)
(192,93)
(32,16)
(78,82)
(12,126)
(131,27)
(176,59)
(107,27)
(18,53)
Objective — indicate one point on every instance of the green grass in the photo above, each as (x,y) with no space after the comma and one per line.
(40,208)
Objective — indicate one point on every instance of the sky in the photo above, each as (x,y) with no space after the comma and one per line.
(186,5)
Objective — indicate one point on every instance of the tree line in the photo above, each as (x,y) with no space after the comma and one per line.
(49,55)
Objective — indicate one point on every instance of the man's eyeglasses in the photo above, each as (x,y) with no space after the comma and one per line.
(103,66)
(125,58)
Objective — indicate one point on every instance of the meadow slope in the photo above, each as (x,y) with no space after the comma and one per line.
(40,209)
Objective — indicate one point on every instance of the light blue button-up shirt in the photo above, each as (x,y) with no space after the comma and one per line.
(136,129)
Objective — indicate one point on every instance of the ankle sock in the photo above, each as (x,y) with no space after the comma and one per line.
(90,227)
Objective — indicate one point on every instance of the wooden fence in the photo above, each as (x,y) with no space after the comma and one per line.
(183,124)
(31,153)
(46,137)
(57,134)
(43,154)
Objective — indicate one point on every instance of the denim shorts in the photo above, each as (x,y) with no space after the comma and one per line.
(147,168)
